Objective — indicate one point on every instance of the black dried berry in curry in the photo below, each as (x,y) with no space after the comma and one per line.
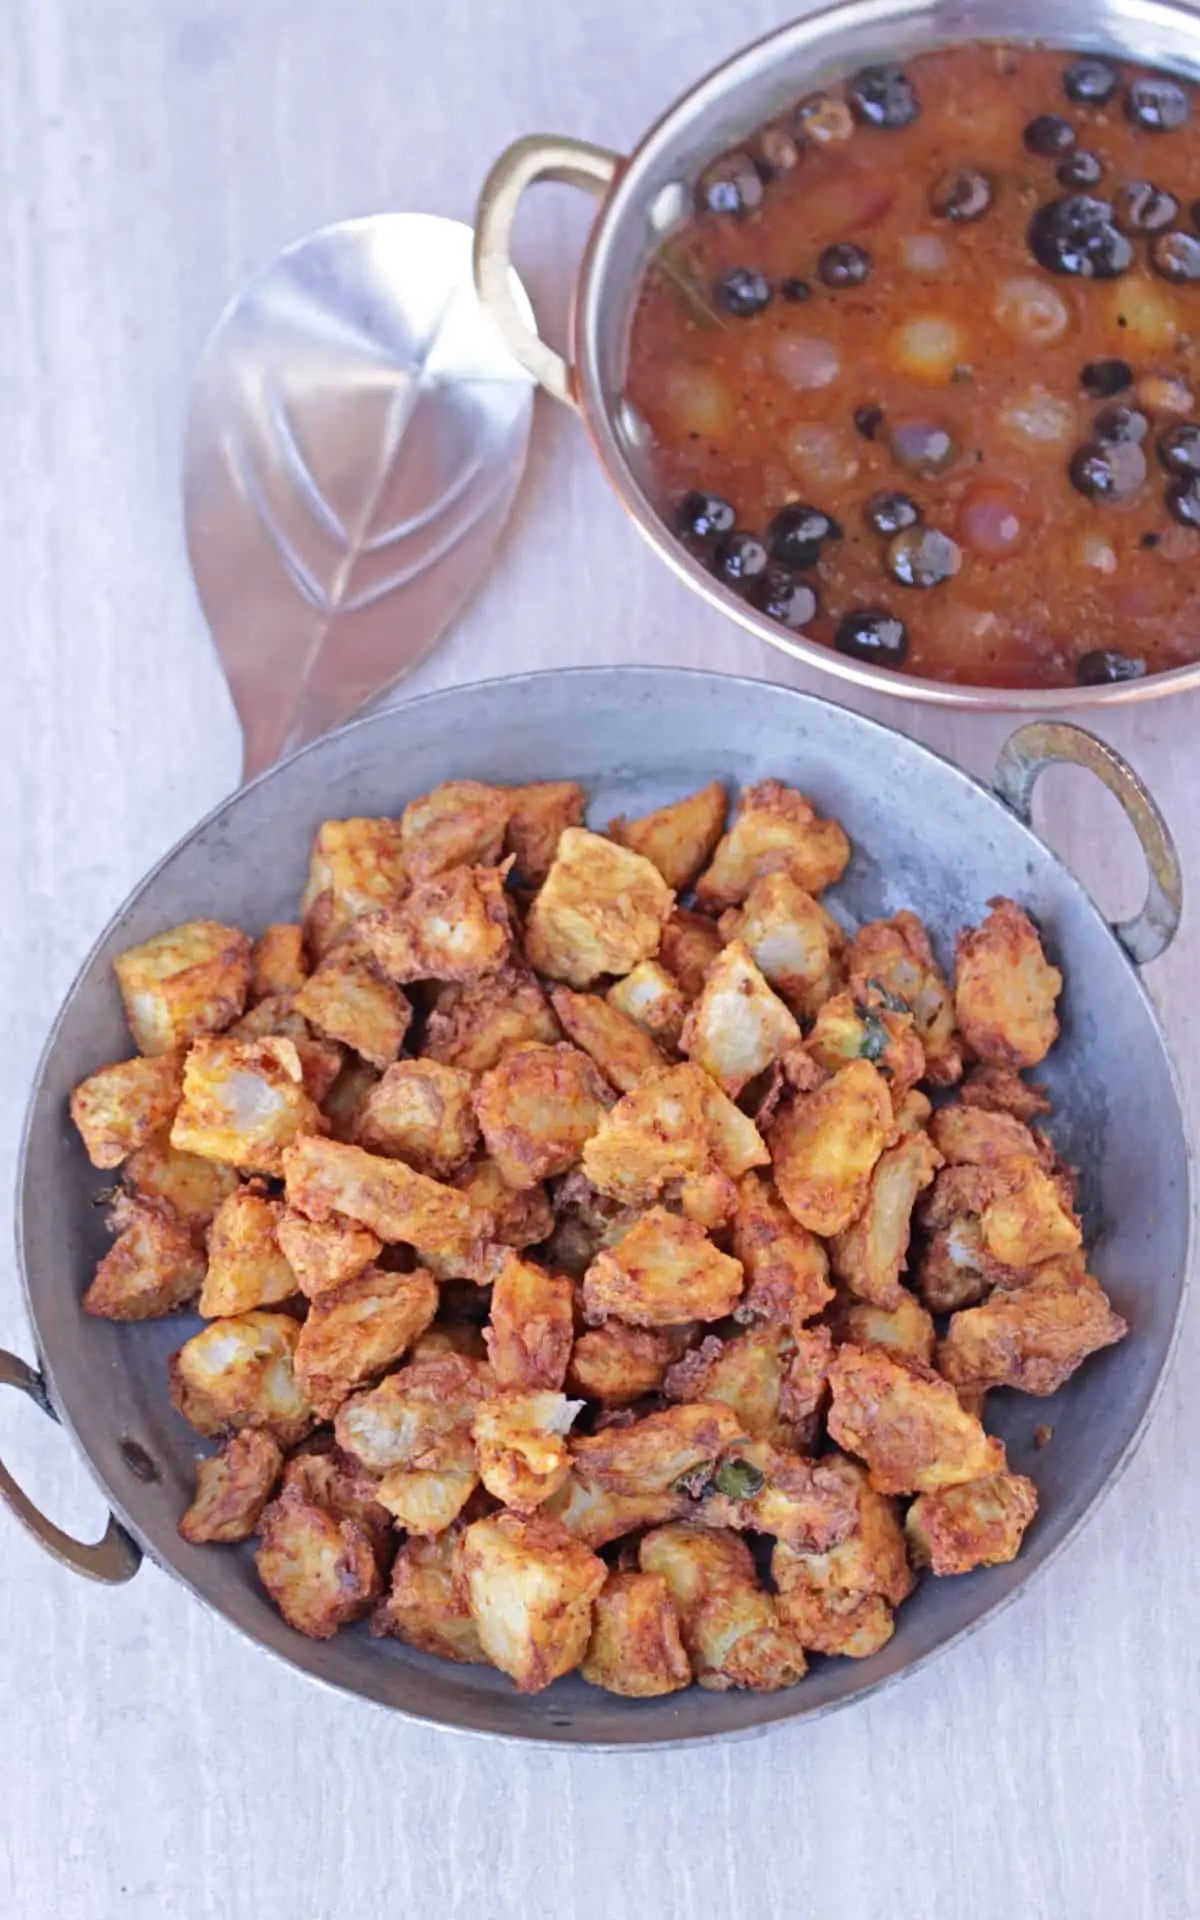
(968,260)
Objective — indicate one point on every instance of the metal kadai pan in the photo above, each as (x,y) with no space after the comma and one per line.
(646,195)
(925,835)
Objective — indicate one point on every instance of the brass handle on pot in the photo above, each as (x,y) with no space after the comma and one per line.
(539,156)
(1027,753)
(114,1559)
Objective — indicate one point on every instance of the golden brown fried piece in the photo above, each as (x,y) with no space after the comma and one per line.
(539,815)
(805,1391)
(653,998)
(596,1515)
(690,943)
(244,1101)
(232,1488)
(979,1524)
(635,1648)
(322,1254)
(455,927)
(906,1328)
(786,1267)
(623,1050)
(459,824)
(600,910)
(663,1272)
(532,1326)
(422,1112)
(677,1125)
(193,979)
(190,1185)
(738,1026)
(659,1453)
(350,1001)
(425,1607)
(530,1589)
(1002,1090)
(334,1480)
(153,1267)
(730,1628)
(1005,990)
(277,962)
(346,1098)
(846,1029)
(325,1178)
(419,1417)
(745,1372)
(841,1601)
(354,1332)
(775,830)
(615,1363)
(1025,1221)
(792,938)
(520,1443)
(869,1256)
(239,1373)
(1034,1337)
(678,838)
(906,1423)
(763,1488)
(320,1572)
(118,1109)
(824,1147)
(355,867)
(977,1137)
(514,1217)
(895,956)
(474,1027)
(246,1267)
(537,1108)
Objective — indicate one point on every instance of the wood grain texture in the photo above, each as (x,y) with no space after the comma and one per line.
(152,1765)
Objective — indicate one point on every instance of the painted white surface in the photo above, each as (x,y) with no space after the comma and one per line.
(152,153)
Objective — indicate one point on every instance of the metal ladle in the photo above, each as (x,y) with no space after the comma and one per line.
(356,438)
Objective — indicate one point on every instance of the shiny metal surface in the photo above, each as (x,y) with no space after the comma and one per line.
(717,114)
(637,737)
(356,438)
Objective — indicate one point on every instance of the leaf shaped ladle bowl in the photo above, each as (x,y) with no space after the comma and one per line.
(357,435)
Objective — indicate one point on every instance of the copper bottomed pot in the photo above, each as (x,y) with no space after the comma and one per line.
(646,196)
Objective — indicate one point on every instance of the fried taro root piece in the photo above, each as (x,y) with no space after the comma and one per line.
(746,1372)
(358,1329)
(842,1601)
(786,1267)
(232,1488)
(980,1523)
(538,816)
(658,1453)
(153,1267)
(654,998)
(1005,990)
(422,1112)
(1033,1337)
(794,941)
(847,1029)
(690,943)
(678,838)
(472,1027)
(600,910)
(321,1572)
(521,1446)
(190,1185)
(324,1178)
(663,1272)
(774,829)
(869,1256)
(768,1489)
(240,1373)
(907,1328)
(894,957)
(907,1423)
(322,1254)
(455,928)
(617,1363)
(246,1266)
(532,1326)
(118,1109)
(635,1648)
(738,1026)
(349,1001)
(355,867)
(530,1587)
(729,1626)
(278,963)
(459,824)
(189,981)
(622,1050)
(824,1147)
(674,1126)
(537,1109)
(244,1101)
(425,1606)
(1002,1090)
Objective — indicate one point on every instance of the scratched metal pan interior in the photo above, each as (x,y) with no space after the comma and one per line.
(925,835)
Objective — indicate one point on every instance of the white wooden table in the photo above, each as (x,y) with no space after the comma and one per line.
(153,152)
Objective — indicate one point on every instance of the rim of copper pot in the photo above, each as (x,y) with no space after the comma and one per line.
(594,409)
